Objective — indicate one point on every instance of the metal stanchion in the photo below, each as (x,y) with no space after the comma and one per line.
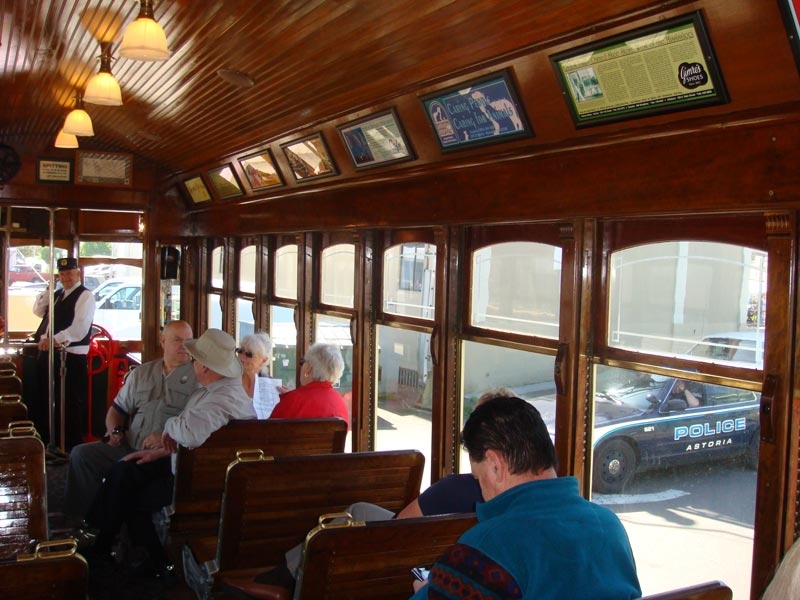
(62,372)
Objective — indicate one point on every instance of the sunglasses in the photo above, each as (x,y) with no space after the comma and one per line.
(247,353)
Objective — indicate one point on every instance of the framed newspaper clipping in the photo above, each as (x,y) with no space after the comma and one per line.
(665,67)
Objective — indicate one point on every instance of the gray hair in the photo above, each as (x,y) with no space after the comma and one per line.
(326,361)
(259,343)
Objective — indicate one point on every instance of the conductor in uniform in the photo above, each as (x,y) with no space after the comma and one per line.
(73,312)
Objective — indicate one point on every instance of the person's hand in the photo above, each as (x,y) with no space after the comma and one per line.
(418,585)
(145,456)
(44,344)
(114,437)
(152,441)
(282,389)
(168,443)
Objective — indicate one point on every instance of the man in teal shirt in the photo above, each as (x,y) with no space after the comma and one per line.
(536,536)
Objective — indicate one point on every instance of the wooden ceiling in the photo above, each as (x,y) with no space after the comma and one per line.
(310,60)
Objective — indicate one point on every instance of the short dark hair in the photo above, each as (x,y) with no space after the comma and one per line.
(515,429)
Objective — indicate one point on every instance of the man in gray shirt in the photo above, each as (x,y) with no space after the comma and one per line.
(152,393)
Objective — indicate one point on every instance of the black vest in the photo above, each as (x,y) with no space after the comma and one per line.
(63,315)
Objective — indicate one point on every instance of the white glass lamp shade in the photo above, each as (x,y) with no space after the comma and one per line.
(66,140)
(144,40)
(103,89)
(78,122)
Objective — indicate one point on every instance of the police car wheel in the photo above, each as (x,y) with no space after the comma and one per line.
(614,467)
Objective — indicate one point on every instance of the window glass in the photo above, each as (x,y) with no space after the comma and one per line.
(516,287)
(28,274)
(338,275)
(245,324)
(675,455)
(283,333)
(404,392)
(217,267)
(286,272)
(214,311)
(678,475)
(119,311)
(699,299)
(409,280)
(247,270)
(527,374)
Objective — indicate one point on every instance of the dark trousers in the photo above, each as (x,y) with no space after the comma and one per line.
(76,421)
(129,495)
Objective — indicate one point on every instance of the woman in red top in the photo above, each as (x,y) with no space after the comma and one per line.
(315,397)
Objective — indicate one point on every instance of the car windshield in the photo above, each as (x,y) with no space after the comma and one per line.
(635,390)
(744,349)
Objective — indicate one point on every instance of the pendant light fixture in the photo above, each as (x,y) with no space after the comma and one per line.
(144,39)
(78,122)
(102,87)
(66,140)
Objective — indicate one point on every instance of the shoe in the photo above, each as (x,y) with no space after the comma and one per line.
(99,559)
(84,538)
(249,589)
(165,572)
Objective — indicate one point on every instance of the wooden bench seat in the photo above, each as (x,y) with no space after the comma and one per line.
(53,571)
(270,505)
(373,561)
(23,501)
(11,409)
(711,590)
(200,473)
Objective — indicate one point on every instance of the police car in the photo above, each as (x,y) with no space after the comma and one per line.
(651,423)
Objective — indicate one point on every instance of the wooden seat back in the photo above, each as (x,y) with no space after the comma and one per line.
(11,409)
(373,561)
(23,502)
(10,383)
(271,505)
(710,590)
(200,473)
(52,572)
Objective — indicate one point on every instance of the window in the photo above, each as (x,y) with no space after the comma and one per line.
(409,280)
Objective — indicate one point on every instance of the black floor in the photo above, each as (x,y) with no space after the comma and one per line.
(110,582)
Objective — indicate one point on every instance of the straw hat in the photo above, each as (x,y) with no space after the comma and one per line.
(216,350)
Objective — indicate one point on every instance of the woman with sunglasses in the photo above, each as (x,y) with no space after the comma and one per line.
(255,354)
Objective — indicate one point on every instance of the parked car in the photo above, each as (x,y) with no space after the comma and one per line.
(650,424)
(119,311)
(25,274)
(643,420)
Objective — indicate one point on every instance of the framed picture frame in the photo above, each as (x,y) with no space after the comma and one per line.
(376,140)
(789,11)
(104,168)
(226,183)
(54,170)
(309,158)
(481,111)
(197,190)
(260,170)
(665,67)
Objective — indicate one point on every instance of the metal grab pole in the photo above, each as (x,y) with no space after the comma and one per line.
(62,372)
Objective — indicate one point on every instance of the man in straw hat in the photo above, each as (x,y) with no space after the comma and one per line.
(142,482)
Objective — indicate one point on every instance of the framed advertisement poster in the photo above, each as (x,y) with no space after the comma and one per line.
(789,10)
(104,168)
(225,182)
(376,140)
(260,170)
(482,111)
(197,190)
(309,158)
(661,68)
